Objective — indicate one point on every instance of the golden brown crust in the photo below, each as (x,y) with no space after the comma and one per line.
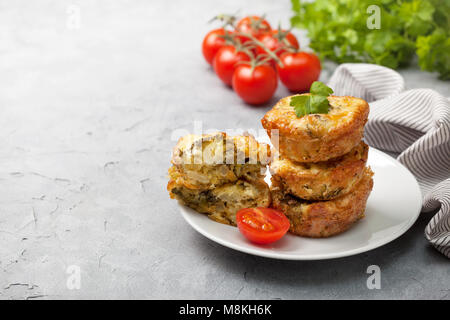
(317,137)
(323,218)
(322,180)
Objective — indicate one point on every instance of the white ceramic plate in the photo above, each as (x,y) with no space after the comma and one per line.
(392,208)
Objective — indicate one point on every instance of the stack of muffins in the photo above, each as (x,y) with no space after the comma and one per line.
(319,176)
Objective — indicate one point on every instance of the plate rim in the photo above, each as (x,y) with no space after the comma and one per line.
(273,255)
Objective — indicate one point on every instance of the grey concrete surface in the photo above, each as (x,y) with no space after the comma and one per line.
(90,94)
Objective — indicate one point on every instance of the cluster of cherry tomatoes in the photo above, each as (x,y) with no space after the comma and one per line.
(250,56)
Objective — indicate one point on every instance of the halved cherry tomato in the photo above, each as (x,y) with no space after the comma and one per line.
(255,85)
(212,42)
(277,42)
(262,225)
(299,70)
(225,62)
(254,25)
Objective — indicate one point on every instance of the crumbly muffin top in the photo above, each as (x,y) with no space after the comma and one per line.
(219,148)
(345,113)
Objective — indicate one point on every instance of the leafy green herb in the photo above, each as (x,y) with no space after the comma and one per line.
(301,105)
(315,102)
(433,52)
(320,89)
(338,31)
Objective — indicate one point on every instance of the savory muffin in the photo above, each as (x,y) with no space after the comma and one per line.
(321,180)
(321,219)
(317,137)
(222,202)
(218,175)
(209,160)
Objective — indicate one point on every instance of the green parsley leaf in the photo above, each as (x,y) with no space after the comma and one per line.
(320,88)
(319,104)
(433,52)
(301,105)
(315,102)
(339,30)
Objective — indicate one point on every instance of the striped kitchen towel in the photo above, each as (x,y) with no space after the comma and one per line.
(412,124)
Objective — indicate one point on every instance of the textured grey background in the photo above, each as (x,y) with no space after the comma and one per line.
(86,118)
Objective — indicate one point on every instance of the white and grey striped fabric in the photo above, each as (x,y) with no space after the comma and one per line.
(412,124)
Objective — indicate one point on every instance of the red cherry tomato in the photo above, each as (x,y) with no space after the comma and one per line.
(262,225)
(225,62)
(212,43)
(289,37)
(299,70)
(273,42)
(254,25)
(255,86)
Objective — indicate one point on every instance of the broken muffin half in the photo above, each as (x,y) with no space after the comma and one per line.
(218,175)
